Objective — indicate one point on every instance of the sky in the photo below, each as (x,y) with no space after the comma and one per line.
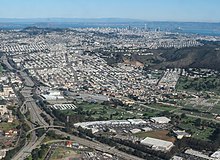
(151,10)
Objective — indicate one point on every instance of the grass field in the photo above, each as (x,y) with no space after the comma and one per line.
(162,107)
(62,153)
(156,134)
(151,113)
(105,111)
(216,109)
(188,124)
(203,134)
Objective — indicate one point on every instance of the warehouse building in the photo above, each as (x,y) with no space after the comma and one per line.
(216,155)
(161,120)
(157,144)
(137,121)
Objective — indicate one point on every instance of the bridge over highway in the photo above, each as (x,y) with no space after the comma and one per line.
(43,127)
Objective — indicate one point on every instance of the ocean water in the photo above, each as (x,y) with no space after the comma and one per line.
(212,29)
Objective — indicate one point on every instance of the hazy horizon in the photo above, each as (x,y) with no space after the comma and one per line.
(102,19)
(146,10)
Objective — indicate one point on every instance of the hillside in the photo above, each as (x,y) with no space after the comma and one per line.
(207,56)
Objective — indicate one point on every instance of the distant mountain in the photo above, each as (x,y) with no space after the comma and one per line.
(67,20)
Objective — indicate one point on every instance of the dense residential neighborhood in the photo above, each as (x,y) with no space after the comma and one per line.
(84,93)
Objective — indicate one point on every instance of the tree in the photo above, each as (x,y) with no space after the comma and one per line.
(183,115)
(198,122)
(34,154)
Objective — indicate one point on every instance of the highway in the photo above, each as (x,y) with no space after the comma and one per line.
(24,150)
(32,107)
(99,146)
(35,117)
(5,62)
(29,146)
(44,127)
(27,80)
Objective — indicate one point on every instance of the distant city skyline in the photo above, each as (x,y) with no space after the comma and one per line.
(149,10)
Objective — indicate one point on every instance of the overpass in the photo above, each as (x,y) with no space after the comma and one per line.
(43,127)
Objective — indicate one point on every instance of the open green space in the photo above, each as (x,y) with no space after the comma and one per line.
(104,112)
(151,113)
(202,107)
(216,109)
(196,112)
(203,134)
(162,107)
(5,126)
(198,132)
(62,153)
(199,84)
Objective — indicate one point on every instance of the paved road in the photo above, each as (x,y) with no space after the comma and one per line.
(4,60)
(46,127)
(23,151)
(99,146)
(29,146)
(35,117)
(34,110)
(27,80)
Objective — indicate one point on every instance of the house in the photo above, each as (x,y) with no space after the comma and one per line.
(69,144)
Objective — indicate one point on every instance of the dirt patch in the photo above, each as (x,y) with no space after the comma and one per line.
(163,135)
(135,63)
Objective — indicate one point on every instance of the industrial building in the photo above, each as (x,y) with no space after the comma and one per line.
(157,144)
(137,121)
(216,155)
(160,120)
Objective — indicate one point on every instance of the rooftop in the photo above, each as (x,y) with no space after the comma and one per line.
(157,143)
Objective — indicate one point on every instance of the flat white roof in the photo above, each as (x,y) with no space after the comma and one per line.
(176,158)
(216,155)
(197,154)
(156,142)
(160,119)
(133,121)
(136,130)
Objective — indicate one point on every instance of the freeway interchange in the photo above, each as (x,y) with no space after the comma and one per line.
(29,104)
